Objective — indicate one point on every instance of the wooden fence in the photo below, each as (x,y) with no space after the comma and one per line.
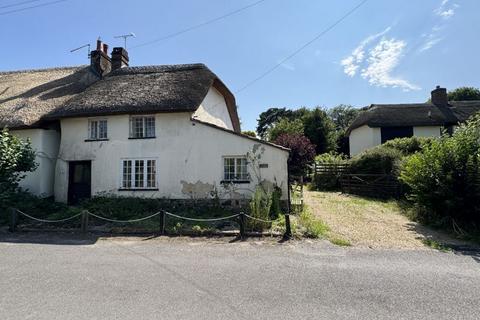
(371,185)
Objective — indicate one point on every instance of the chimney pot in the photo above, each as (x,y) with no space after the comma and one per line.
(439,96)
(99,59)
(119,58)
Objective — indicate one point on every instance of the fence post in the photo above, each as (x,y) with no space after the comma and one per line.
(13,219)
(242,225)
(84,225)
(288,229)
(162,222)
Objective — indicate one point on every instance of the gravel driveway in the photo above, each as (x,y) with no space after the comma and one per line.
(66,277)
(372,223)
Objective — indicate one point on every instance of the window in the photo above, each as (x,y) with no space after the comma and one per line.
(142,127)
(139,174)
(390,133)
(235,169)
(97,129)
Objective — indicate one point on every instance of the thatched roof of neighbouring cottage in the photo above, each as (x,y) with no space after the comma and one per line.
(26,96)
(147,89)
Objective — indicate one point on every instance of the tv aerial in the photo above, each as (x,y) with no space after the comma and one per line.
(125,37)
(84,46)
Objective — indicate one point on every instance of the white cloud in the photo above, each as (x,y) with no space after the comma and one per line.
(352,62)
(382,60)
(445,11)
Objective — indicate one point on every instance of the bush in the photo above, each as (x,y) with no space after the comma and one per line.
(302,152)
(408,146)
(379,160)
(445,179)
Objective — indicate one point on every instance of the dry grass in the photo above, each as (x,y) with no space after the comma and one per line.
(365,222)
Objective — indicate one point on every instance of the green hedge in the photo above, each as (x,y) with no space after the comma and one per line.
(444,179)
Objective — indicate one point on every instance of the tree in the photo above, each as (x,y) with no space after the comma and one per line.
(250,133)
(464,94)
(302,152)
(342,116)
(285,125)
(16,158)
(320,130)
(268,118)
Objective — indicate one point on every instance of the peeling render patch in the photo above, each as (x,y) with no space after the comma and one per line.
(197,190)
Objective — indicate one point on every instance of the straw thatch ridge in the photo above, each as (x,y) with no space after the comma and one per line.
(415,114)
(28,98)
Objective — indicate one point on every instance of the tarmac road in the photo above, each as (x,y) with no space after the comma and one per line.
(48,276)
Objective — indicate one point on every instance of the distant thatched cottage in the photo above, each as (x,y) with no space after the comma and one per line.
(154,131)
(382,122)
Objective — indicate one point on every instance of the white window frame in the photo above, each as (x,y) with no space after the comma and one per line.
(236,178)
(145,174)
(96,122)
(144,119)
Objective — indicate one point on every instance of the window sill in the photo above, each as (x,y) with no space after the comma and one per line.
(93,140)
(235,181)
(138,189)
(132,138)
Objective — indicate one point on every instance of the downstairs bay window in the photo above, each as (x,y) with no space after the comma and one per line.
(139,174)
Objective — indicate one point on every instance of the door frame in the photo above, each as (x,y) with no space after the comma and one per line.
(71,166)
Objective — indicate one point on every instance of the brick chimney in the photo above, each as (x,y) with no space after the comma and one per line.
(119,58)
(439,96)
(99,59)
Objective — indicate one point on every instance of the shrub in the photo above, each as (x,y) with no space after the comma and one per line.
(408,146)
(16,158)
(302,152)
(379,160)
(260,207)
(445,179)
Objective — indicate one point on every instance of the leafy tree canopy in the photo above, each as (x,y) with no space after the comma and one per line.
(464,94)
(285,125)
(320,130)
(343,116)
(250,133)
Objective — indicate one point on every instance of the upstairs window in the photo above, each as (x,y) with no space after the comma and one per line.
(142,127)
(139,174)
(235,169)
(97,129)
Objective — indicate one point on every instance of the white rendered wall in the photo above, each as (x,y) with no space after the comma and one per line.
(363,138)
(189,155)
(214,110)
(430,131)
(45,143)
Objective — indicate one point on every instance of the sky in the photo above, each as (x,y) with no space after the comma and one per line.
(383,52)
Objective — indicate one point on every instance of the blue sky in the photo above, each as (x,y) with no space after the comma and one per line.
(385,52)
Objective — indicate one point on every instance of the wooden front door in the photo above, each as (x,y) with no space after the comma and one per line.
(79,181)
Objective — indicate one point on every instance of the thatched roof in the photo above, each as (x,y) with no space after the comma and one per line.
(26,96)
(416,114)
(148,89)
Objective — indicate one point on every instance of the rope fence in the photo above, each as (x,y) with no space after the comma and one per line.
(162,214)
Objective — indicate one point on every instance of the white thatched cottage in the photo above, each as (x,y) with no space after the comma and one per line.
(382,122)
(153,131)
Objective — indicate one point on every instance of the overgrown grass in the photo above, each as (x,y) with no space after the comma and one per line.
(340,242)
(310,226)
(435,245)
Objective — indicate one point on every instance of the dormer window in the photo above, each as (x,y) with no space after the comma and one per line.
(142,127)
(97,129)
